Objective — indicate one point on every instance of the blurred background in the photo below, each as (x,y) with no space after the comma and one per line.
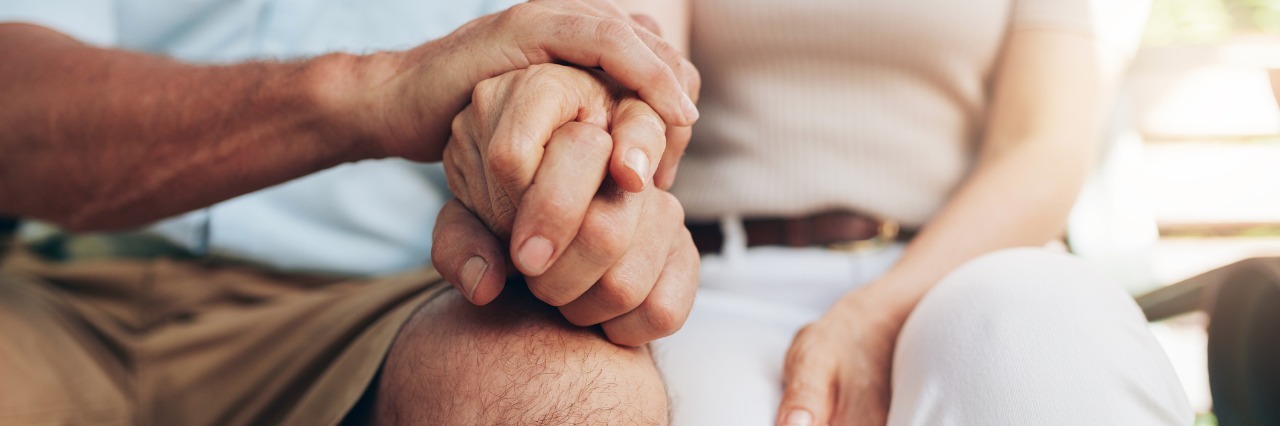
(1191,178)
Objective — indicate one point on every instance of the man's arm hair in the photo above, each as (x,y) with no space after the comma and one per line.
(101,139)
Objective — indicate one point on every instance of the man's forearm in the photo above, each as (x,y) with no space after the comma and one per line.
(101,139)
(105,139)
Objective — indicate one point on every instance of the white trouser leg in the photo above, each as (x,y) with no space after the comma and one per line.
(725,366)
(1027,336)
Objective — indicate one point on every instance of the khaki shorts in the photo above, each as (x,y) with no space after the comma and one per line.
(191,342)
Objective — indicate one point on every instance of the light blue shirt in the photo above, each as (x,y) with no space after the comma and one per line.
(371,217)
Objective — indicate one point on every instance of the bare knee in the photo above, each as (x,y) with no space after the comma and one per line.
(515,361)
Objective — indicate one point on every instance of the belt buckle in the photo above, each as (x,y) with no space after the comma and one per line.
(886,234)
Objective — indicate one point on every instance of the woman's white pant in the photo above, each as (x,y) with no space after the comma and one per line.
(1021,336)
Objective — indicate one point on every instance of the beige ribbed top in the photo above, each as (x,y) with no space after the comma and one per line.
(867,105)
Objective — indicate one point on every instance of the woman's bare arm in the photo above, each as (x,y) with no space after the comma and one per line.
(1041,139)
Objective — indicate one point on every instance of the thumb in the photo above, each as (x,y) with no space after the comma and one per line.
(467,254)
(809,379)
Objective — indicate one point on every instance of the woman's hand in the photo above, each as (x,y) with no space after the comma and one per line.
(837,370)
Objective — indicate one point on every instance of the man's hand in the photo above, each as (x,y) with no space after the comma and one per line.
(149,136)
(837,369)
(503,164)
(418,91)
(630,267)
(530,157)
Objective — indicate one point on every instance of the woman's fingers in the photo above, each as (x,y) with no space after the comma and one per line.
(467,254)
(553,207)
(677,136)
(639,138)
(809,382)
(677,141)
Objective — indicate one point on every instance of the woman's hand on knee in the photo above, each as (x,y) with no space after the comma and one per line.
(837,369)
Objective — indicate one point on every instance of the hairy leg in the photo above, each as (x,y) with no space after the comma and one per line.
(514,361)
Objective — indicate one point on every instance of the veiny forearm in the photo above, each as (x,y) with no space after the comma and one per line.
(101,139)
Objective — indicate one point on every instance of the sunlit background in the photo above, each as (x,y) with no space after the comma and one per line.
(1191,179)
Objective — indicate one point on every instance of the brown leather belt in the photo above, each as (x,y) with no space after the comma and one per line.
(842,231)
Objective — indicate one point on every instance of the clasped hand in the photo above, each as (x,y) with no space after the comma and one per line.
(554,162)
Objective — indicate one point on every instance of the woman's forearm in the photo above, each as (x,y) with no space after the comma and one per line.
(99,138)
(1040,142)
(1021,198)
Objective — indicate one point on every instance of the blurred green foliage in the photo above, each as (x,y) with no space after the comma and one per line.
(1201,21)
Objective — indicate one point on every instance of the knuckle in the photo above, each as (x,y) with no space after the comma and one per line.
(798,386)
(670,207)
(685,238)
(616,32)
(486,90)
(453,175)
(664,317)
(580,133)
(619,293)
(459,127)
(502,212)
(502,159)
(577,317)
(550,294)
(596,139)
(517,13)
(589,141)
(602,238)
(666,50)
(643,117)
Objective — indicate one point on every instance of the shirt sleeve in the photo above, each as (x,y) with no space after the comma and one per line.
(90,21)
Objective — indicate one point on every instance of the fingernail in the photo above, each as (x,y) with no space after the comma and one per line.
(798,418)
(690,110)
(639,163)
(472,272)
(534,255)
